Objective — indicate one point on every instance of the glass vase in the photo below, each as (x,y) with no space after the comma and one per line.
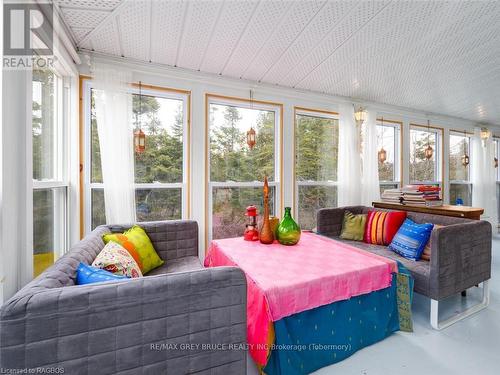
(288,231)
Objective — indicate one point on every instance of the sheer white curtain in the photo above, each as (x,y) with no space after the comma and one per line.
(370,184)
(113,109)
(483,179)
(349,161)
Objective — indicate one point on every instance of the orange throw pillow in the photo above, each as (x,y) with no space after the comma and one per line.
(381,226)
(426,255)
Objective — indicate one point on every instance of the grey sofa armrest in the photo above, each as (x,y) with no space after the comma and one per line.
(460,257)
(329,220)
(129,326)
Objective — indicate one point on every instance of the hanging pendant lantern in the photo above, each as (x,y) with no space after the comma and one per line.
(251,138)
(139,141)
(429,151)
(139,136)
(382,156)
(465,160)
(465,157)
(251,134)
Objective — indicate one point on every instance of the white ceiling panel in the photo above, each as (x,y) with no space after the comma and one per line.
(233,21)
(256,35)
(134,29)
(201,19)
(435,56)
(324,23)
(107,39)
(83,17)
(167,23)
(80,32)
(88,4)
(292,25)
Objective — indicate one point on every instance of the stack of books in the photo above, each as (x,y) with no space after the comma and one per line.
(392,196)
(422,195)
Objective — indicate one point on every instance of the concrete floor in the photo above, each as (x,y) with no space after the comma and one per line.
(469,347)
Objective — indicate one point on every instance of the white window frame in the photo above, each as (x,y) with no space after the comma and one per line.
(60,182)
(397,153)
(89,185)
(460,182)
(438,152)
(298,184)
(276,183)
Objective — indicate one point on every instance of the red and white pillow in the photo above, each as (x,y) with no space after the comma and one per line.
(116,259)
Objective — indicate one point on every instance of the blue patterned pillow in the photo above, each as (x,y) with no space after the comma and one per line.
(86,274)
(411,238)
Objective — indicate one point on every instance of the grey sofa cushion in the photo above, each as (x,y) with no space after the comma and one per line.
(460,253)
(420,270)
(177,265)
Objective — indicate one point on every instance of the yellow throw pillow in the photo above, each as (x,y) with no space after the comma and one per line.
(116,259)
(138,244)
(353,226)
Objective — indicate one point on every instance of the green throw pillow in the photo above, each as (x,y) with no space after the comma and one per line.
(353,226)
(138,244)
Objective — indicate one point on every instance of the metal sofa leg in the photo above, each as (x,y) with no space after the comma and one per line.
(462,315)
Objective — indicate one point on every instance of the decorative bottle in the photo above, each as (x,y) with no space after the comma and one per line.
(266,234)
(288,231)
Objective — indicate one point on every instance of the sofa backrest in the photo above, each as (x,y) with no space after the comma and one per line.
(171,239)
(420,218)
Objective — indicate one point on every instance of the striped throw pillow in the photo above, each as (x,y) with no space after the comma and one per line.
(381,226)
(410,240)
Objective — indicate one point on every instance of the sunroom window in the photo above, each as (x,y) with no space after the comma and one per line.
(460,187)
(316,155)
(236,170)
(50,185)
(388,139)
(425,170)
(161,171)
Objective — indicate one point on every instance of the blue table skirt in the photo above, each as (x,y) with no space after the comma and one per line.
(319,337)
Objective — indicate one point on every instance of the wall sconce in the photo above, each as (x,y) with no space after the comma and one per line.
(360,115)
(495,162)
(485,134)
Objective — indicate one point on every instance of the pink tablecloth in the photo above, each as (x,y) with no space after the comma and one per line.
(285,280)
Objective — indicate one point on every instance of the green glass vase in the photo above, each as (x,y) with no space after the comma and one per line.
(288,231)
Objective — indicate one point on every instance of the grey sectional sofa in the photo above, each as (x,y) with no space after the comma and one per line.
(179,319)
(460,256)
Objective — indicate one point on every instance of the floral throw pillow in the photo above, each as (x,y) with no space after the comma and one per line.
(117,260)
